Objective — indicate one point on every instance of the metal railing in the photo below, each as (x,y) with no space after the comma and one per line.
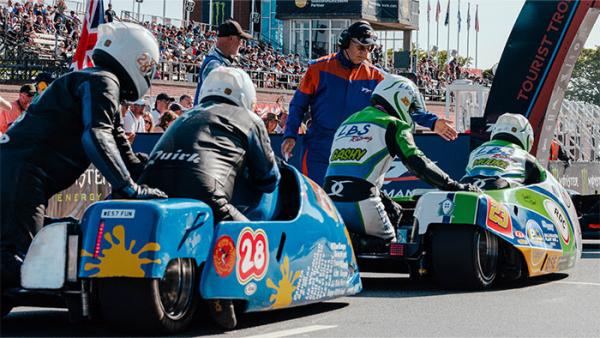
(578,131)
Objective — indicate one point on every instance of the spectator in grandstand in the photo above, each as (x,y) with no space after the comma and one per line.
(148,123)
(109,14)
(133,122)
(7,117)
(186,101)
(73,124)
(229,41)
(176,108)
(165,121)
(283,116)
(160,106)
(271,122)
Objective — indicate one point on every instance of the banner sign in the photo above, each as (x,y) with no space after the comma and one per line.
(375,10)
(582,177)
(221,11)
(538,58)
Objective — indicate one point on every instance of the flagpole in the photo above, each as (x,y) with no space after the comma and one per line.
(458,33)
(468,28)
(448,42)
(476,35)
(428,26)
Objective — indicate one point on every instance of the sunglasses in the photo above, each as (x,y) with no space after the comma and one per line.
(29,95)
(364,48)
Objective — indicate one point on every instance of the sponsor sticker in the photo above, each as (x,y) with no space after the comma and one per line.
(250,289)
(559,219)
(224,256)
(522,241)
(498,218)
(534,233)
(519,234)
(446,207)
(117,213)
(253,252)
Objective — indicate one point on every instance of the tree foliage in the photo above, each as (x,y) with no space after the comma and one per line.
(585,80)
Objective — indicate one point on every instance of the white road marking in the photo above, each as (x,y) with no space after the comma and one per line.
(579,283)
(292,332)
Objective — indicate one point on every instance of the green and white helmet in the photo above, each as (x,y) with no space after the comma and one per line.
(514,128)
(396,94)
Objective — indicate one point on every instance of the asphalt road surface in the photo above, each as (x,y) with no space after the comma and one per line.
(558,305)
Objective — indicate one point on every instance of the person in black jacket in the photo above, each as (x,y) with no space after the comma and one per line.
(208,147)
(74,122)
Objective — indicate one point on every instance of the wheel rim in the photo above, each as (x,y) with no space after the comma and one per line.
(176,288)
(486,255)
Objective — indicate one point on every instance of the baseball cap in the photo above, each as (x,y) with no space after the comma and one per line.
(28,89)
(230,28)
(164,97)
(140,102)
(361,32)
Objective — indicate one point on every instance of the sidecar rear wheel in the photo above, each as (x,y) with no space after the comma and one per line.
(464,256)
(147,305)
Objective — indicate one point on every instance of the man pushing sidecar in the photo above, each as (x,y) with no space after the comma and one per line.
(362,152)
(74,122)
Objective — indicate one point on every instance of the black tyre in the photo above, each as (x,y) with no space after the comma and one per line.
(5,307)
(165,305)
(464,256)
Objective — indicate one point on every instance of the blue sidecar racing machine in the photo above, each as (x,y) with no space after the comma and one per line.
(469,241)
(145,265)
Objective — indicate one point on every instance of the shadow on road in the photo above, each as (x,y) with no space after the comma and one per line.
(55,322)
(404,287)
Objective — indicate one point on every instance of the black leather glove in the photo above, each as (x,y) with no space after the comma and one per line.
(469,187)
(144,192)
(141,192)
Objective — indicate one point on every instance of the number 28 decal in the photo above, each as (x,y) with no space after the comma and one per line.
(253,253)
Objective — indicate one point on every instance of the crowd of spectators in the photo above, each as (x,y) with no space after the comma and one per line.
(29,21)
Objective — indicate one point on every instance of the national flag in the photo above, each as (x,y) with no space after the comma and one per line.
(477,18)
(438,11)
(458,18)
(94,16)
(469,17)
(447,21)
(428,10)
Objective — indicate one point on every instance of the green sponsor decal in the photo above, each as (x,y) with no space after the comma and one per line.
(348,154)
(490,162)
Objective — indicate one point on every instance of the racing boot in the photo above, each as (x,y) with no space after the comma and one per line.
(222,313)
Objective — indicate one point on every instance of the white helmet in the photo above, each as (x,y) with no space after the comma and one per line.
(132,55)
(230,83)
(396,94)
(515,125)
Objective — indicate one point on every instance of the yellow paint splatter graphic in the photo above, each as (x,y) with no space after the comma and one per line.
(119,259)
(286,286)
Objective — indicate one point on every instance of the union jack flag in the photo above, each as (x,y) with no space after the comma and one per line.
(94,16)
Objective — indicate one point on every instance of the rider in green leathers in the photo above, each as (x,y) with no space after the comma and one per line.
(505,161)
(362,152)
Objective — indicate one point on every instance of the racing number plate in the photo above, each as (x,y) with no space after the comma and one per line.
(253,253)
(498,218)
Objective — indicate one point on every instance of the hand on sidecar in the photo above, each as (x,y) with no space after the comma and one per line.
(469,187)
(141,192)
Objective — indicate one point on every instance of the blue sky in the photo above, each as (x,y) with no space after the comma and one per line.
(496,19)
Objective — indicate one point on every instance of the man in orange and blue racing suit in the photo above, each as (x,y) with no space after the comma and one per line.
(335,87)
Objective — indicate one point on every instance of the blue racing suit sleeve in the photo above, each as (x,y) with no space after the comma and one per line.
(424,118)
(300,102)
(264,172)
(99,102)
(205,69)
